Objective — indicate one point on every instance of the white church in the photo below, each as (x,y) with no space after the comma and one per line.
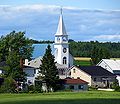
(62,56)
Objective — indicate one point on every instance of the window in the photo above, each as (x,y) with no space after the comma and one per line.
(94,79)
(34,71)
(72,87)
(78,77)
(58,39)
(29,82)
(64,60)
(73,70)
(80,87)
(64,50)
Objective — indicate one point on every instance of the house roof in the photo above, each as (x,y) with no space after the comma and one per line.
(37,62)
(74,81)
(113,64)
(96,71)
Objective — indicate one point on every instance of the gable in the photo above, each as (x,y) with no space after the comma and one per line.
(110,64)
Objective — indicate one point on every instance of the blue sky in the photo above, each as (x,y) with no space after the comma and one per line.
(92,4)
(85,20)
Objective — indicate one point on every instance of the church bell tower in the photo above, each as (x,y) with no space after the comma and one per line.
(61,44)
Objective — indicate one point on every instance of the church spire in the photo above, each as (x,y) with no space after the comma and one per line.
(61,27)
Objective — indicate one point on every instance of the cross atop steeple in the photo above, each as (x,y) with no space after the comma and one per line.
(61,10)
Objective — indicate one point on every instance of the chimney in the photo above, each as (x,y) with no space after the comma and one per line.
(21,63)
(26,62)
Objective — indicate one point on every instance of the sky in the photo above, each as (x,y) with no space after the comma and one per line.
(85,20)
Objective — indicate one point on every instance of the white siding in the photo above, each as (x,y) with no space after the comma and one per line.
(82,75)
(0,71)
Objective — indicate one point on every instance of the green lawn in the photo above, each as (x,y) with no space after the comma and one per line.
(82,62)
(88,97)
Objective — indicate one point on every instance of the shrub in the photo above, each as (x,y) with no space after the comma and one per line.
(116,86)
(9,85)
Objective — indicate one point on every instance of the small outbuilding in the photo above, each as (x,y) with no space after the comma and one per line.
(75,84)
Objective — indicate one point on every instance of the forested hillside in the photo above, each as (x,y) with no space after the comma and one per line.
(83,49)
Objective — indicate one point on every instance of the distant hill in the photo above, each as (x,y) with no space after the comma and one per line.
(83,49)
(41,42)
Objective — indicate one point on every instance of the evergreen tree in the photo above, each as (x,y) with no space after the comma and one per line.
(48,70)
(99,53)
(95,55)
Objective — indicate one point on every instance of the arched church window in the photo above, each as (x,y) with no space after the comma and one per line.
(64,60)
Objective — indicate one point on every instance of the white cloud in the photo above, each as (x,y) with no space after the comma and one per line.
(40,21)
(107,37)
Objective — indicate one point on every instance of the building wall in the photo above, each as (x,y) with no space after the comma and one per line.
(77,73)
(32,73)
(0,71)
(71,59)
(102,81)
(59,54)
(76,87)
(118,78)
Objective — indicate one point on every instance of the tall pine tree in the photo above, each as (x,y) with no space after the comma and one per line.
(48,70)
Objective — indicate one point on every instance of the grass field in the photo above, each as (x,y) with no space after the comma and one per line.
(88,97)
(82,58)
(83,61)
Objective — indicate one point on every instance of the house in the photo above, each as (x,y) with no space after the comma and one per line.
(75,84)
(112,66)
(96,76)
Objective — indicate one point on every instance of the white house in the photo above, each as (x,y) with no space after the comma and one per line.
(111,65)
(62,56)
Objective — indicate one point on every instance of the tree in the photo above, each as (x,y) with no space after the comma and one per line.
(9,85)
(95,55)
(83,49)
(13,68)
(99,53)
(14,47)
(48,70)
(15,41)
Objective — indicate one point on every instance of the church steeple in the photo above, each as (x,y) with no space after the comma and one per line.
(61,27)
